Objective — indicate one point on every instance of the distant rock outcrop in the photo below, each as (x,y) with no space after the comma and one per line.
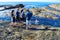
(56,6)
(11,6)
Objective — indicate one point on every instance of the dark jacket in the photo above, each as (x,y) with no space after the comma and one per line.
(28,15)
(17,13)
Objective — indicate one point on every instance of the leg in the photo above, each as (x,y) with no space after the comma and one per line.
(11,20)
(27,24)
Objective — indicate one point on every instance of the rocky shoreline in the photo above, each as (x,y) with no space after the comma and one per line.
(10,32)
(18,33)
(47,12)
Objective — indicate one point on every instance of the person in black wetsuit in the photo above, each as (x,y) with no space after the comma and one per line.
(13,17)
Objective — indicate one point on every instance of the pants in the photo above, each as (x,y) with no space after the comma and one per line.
(17,18)
(28,22)
(13,19)
(23,19)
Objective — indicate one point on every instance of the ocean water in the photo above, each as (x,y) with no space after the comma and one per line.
(27,4)
(45,21)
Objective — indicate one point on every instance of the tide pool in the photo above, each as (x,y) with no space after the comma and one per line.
(46,21)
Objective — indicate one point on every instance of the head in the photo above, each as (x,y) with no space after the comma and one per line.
(12,11)
(22,10)
(28,10)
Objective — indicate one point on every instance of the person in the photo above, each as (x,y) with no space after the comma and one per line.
(28,18)
(23,17)
(18,15)
(12,17)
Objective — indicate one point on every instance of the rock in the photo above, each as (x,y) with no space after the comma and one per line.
(55,6)
(34,11)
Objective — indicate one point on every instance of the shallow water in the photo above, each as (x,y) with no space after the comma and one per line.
(46,21)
